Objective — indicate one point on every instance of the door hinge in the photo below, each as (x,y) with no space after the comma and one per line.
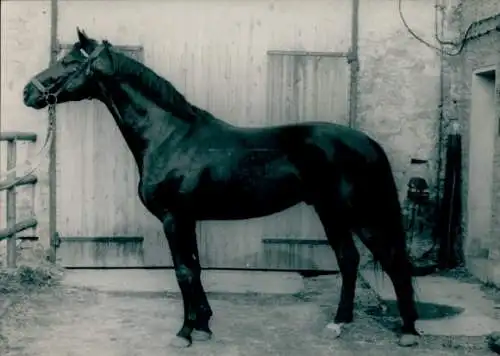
(56,240)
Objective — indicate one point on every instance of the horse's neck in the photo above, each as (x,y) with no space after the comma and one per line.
(154,87)
(141,122)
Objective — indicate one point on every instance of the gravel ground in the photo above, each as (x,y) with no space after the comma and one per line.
(68,321)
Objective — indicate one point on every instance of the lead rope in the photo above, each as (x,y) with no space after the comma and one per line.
(27,164)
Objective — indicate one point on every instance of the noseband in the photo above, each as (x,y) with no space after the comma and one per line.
(50,94)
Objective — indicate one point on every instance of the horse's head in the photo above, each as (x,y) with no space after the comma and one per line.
(74,77)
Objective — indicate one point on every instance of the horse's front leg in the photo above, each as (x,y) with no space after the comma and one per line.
(204,312)
(348,259)
(180,234)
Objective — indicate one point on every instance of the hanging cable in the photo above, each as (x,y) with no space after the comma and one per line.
(460,44)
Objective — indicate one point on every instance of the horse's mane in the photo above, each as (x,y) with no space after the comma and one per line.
(156,88)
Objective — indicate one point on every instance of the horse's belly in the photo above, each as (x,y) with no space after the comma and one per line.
(245,197)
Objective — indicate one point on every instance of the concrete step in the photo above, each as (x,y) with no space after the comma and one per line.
(164,280)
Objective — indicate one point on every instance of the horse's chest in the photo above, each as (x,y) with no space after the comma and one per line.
(170,188)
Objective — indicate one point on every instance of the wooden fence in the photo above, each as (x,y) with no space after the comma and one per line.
(10,183)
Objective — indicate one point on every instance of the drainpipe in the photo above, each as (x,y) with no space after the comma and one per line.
(54,48)
(439,7)
(353,60)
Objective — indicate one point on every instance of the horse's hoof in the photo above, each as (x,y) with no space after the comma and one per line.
(494,342)
(408,340)
(494,336)
(180,342)
(336,328)
(201,335)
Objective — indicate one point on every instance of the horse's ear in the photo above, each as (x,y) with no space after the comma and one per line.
(103,64)
(82,37)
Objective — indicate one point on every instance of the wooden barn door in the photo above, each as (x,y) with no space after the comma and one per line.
(300,88)
(303,87)
(100,220)
(102,223)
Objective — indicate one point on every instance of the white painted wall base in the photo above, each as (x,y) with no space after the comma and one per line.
(487,270)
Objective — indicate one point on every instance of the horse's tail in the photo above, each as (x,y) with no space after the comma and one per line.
(386,213)
(388,235)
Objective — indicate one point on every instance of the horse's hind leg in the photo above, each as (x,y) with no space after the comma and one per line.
(395,262)
(341,240)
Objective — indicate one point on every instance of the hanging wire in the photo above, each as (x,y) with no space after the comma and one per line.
(461,43)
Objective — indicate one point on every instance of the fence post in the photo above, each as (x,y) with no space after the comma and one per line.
(11,205)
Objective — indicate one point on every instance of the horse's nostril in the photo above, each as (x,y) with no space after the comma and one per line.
(27,93)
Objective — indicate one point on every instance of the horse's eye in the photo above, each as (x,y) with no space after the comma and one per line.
(68,61)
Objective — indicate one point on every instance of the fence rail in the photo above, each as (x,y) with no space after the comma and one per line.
(18,136)
(10,184)
(29,179)
(18,227)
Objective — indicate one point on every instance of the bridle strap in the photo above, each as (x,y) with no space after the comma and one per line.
(51,99)
(38,85)
(50,96)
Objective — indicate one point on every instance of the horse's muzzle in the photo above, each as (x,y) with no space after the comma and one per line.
(33,98)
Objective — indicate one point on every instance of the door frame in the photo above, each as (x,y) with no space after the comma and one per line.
(484,129)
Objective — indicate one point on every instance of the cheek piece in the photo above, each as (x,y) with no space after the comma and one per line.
(50,95)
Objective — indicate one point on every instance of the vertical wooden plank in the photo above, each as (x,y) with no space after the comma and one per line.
(89,184)
(11,205)
(70,200)
(3,202)
(303,88)
(25,195)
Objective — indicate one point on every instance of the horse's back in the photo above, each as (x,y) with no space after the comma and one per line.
(313,131)
(339,142)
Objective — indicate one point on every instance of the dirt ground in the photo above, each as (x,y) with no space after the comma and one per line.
(64,321)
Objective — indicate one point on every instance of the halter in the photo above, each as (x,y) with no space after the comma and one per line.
(50,95)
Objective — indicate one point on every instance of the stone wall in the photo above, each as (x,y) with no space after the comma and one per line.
(480,51)
(399,98)
(399,84)
(25,50)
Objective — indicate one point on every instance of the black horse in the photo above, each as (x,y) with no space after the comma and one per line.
(194,166)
